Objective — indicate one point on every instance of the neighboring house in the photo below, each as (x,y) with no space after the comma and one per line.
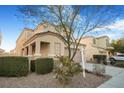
(12,52)
(1,50)
(43,42)
(95,46)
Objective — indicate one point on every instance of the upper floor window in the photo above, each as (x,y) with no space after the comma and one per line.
(120,55)
(107,42)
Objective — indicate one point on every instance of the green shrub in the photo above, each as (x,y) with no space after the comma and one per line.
(14,66)
(65,70)
(43,65)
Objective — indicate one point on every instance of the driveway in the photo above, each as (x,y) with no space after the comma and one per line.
(117,76)
(48,81)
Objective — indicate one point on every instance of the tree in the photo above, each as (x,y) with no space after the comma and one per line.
(118,45)
(73,21)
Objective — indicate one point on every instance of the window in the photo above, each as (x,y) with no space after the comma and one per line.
(120,55)
(94,41)
(107,42)
(58,49)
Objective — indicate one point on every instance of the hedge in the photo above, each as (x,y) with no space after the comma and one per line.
(43,65)
(14,66)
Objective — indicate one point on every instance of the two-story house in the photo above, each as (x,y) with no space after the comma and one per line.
(95,46)
(43,41)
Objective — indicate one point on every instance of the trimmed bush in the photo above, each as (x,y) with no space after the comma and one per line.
(14,66)
(43,65)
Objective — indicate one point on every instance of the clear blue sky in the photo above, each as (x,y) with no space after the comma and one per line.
(11,27)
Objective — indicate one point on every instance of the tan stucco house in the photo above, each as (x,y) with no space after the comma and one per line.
(43,41)
(95,46)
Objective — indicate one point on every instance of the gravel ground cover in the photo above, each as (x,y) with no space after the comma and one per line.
(48,81)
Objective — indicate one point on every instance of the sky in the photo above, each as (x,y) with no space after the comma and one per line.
(11,27)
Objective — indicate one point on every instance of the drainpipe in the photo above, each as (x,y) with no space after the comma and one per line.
(83,61)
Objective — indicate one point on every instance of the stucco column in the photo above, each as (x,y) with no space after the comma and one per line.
(24,52)
(29,50)
(37,48)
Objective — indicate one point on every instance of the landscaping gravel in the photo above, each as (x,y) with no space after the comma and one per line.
(48,81)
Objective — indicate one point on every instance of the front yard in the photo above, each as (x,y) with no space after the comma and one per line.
(48,81)
(14,73)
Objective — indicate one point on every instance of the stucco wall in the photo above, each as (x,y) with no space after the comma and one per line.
(52,40)
(43,28)
(25,35)
(94,49)
(102,42)
(48,38)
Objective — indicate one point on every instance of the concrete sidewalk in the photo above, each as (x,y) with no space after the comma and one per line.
(117,80)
